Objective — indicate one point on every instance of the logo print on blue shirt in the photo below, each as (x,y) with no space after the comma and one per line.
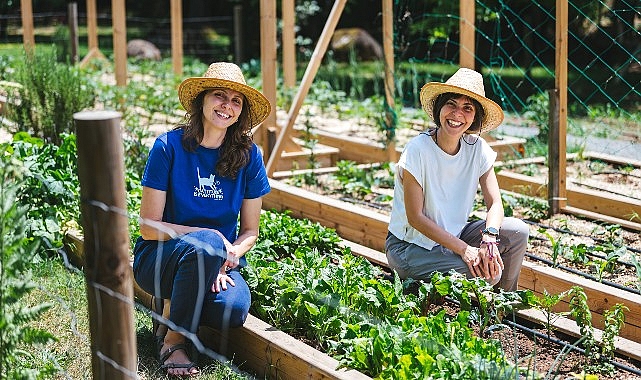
(207,187)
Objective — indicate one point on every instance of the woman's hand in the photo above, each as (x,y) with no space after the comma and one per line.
(491,261)
(222,279)
(472,259)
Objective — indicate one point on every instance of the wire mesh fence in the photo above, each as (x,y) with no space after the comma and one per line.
(515,50)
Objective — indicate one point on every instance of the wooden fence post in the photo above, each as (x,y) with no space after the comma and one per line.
(28,38)
(119,22)
(110,291)
(557,193)
(72,19)
(467,28)
(177,37)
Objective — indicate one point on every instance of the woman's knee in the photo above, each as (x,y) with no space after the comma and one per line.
(515,227)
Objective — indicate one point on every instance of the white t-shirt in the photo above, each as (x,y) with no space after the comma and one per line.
(449,185)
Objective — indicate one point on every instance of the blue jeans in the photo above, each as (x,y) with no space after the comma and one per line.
(183,270)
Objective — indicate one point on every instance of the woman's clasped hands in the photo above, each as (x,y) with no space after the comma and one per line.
(485,261)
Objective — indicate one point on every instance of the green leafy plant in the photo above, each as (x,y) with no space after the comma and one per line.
(546,303)
(580,311)
(355,181)
(578,253)
(557,247)
(614,318)
(16,253)
(613,254)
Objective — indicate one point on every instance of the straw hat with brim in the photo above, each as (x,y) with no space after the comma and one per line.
(469,83)
(225,75)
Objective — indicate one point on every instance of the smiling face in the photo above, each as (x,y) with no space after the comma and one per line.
(458,114)
(222,107)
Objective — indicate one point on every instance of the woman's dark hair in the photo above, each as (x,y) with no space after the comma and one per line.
(479,114)
(235,150)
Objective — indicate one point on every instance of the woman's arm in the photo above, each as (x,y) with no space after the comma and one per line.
(492,197)
(249,224)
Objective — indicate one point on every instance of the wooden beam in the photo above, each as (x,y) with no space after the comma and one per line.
(467,21)
(559,196)
(28,38)
(92,25)
(119,22)
(177,36)
(310,73)
(289,43)
(390,85)
(268,67)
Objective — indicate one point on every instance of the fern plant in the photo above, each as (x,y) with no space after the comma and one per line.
(16,253)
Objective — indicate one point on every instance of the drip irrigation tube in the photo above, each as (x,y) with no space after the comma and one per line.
(582,274)
(568,345)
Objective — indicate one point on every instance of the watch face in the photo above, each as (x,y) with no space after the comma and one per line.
(491,231)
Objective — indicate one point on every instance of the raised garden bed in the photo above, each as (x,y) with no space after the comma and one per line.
(264,350)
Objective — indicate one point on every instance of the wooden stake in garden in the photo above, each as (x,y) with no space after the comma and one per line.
(110,291)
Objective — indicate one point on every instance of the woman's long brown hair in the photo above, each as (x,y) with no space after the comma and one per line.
(235,150)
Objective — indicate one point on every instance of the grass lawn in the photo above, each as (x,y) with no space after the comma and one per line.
(68,321)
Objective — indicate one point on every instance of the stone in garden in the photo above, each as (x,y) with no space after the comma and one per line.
(143,49)
(362,43)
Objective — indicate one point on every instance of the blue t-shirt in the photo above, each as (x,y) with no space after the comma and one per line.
(196,195)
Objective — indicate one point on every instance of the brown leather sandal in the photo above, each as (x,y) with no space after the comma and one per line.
(176,347)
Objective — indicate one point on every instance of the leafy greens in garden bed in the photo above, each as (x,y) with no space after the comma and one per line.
(307,285)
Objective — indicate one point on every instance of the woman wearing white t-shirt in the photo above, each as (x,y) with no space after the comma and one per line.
(436,182)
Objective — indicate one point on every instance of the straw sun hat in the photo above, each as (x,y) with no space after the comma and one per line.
(469,83)
(225,75)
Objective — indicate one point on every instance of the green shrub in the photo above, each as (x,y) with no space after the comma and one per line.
(49,95)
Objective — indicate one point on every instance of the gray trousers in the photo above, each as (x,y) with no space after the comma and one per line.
(412,261)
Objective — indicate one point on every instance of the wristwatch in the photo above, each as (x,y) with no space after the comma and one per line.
(491,231)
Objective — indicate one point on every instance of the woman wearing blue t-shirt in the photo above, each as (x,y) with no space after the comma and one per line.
(200,211)
(437,178)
